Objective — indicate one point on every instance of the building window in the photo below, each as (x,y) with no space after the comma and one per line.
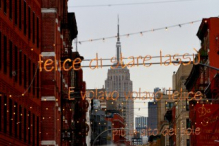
(15,12)
(29,126)
(20,67)
(10,59)
(188,142)
(37,32)
(169,105)
(10,116)
(188,124)
(38,91)
(1,111)
(15,63)
(25,71)
(5,6)
(0,50)
(5,114)
(15,119)
(5,54)
(187,105)
(29,74)
(33,28)
(25,125)
(33,130)
(25,17)
(20,122)
(38,131)
(10,9)
(20,14)
(29,26)
(33,80)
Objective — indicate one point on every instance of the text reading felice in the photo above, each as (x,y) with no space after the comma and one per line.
(69,64)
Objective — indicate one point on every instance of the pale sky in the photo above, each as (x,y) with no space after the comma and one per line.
(99,22)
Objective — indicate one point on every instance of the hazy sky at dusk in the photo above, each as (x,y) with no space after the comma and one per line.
(98,22)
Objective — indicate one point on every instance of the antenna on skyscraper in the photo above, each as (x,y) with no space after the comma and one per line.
(118,44)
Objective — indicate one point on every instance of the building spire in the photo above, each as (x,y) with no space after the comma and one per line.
(118,37)
(118,44)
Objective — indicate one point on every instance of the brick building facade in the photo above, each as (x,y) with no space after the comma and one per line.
(19,50)
(34,104)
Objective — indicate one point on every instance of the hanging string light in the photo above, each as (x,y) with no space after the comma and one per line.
(141,32)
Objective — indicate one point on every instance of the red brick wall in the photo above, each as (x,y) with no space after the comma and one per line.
(8,85)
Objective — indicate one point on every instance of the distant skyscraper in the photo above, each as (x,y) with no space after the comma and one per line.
(119,80)
(152,115)
(140,123)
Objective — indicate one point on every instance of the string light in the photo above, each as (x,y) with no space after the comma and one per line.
(141,32)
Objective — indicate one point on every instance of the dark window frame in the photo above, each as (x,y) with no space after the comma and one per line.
(29,74)
(29,127)
(33,85)
(25,125)
(20,122)
(33,19)
(5,114)
(11,58)
(25,18)
(15,118)
(10,116)
(25,71)
(5,54)
(10,9)
(29,22)
(15,12)
(0,50)
(16,63)
(5,6)
(20,67)
(20,15)
(38,32)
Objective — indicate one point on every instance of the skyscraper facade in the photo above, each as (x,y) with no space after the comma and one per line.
(118,79)
(140,123)
(152,115)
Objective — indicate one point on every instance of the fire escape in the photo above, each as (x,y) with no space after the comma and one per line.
(73,115)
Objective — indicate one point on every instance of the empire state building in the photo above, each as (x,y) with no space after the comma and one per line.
(118,79)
